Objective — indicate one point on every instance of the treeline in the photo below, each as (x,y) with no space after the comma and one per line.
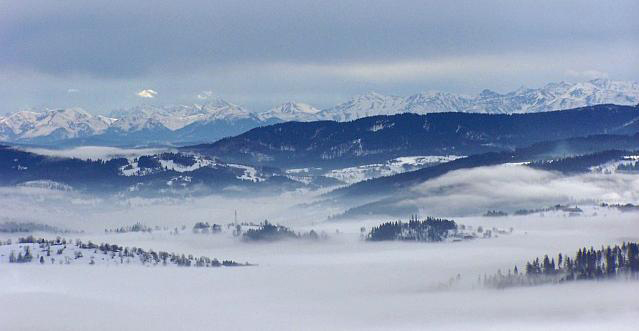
(273,232)
(495,213)
(67,251)
(430,229)
(587,264)
(622,207)
(137,227)
(571,210)
(15,227)
(581,163)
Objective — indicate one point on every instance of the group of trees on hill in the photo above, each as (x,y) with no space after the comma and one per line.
(430,229)
(110,252)
(587,264)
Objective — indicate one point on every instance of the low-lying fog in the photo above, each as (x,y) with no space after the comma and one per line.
(340,283)
(95,152)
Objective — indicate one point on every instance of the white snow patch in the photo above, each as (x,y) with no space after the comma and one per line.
(395,166)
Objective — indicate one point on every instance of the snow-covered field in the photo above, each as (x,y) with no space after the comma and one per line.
(359,173)
(352,175)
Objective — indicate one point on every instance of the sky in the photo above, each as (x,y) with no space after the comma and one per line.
(106,55)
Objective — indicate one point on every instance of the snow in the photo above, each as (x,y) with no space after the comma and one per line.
(200,162)
(133,169)
(291,111)
(72,122)
(370,104)
(381,126)
(250,173)
(177,117)
(553,96)
(356,174)
(611,167)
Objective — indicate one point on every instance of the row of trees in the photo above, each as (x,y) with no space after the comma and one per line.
(622,207)
(137,227)
(609,262)
(567,209)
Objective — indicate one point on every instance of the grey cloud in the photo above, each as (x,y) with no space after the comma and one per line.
(124,39)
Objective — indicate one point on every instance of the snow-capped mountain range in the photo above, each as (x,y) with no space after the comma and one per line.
(149,124)
(291,111)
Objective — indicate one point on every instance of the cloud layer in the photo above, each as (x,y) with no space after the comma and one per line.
(513,187)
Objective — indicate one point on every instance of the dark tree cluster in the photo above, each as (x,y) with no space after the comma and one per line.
(431,229)
(587,264)
(273,232)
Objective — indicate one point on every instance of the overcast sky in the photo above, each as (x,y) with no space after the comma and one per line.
(102,55)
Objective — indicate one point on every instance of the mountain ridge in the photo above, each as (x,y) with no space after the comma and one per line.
(379,138)
(187,124)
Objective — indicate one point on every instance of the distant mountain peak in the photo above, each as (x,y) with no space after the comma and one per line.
(291,111)
(486,93)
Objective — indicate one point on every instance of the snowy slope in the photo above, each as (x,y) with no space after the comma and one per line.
(177,117)
(63,123)
(352,175)
(184,163)
(29,250)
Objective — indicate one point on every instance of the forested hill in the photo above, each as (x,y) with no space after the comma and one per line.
(372,139)
(148,174)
